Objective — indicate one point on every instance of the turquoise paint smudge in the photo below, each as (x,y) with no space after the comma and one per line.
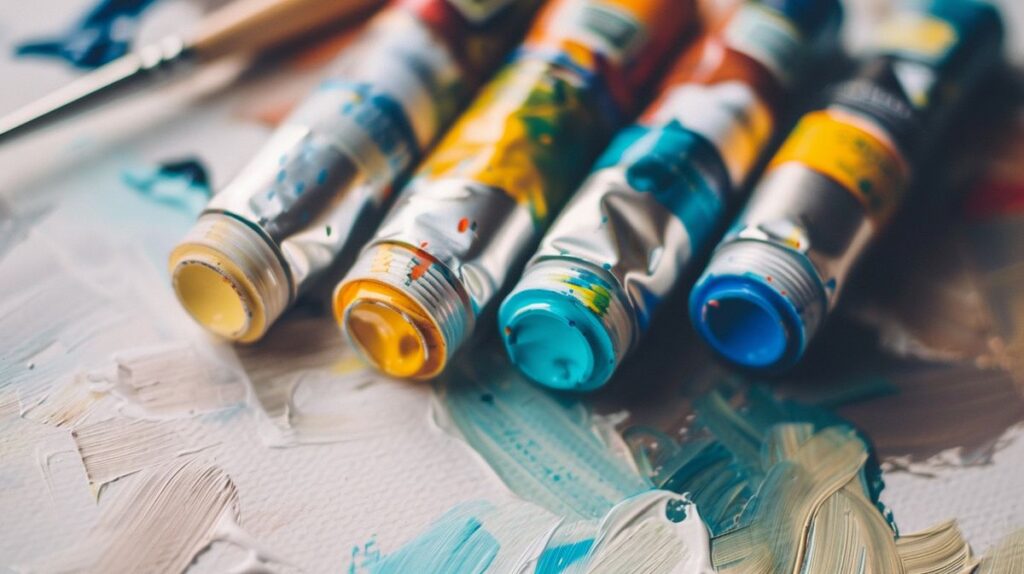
(456,544)
(104,34)
(555,560)
(530,540)
(182,184)
(544,450)
(363,556)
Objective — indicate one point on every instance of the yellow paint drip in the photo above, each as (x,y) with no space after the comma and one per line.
(391,330)
(216,293)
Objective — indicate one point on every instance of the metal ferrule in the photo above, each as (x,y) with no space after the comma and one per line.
(447,218)
(426,281)
(800,210)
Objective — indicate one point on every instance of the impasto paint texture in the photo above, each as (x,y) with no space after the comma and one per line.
(104,34)
(545,451)
(160,525)
(789,488)
(656,532)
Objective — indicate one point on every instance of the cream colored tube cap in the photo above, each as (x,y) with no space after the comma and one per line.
(229,278)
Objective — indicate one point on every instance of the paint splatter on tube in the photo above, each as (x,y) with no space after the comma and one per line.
(320,183)
(478,203)
(837,180)
(657,196)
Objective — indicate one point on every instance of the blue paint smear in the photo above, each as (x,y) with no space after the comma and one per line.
(181,184)
(556,559)
(456,544)
(104,34)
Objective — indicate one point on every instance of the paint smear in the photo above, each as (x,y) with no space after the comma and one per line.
(168,381)
(1007,557)
(161,382)
(182,184)
(789,488)
(168,516)
(116,448)
(104,34)
(545,451)
(313,389)
(655,532)
(71,404)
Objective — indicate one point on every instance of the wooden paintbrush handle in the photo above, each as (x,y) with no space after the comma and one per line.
(255,25)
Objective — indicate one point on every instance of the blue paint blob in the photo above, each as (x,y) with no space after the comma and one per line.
(183,184)
(747,321)
(456,543)
(556,341)
(104,34)
(556,559)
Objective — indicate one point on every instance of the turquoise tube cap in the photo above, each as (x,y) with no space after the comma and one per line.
(556,341)
(566,325)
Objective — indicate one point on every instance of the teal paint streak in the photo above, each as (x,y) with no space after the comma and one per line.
(543,450)
(724,468)
(556,559)
(182,185)
(456,544)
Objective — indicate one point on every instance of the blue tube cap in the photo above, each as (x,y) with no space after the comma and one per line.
(556,341)
(747,321)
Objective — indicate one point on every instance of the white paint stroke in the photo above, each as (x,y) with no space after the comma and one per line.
(312,389)
(168,381)
(70,404)
(170,514)
(116,448)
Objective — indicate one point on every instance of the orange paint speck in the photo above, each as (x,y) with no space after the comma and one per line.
(713,303)
(422,262)
(768,278)
(463,224)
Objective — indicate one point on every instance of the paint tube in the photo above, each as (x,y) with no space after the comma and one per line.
(317,187)
(657,197)
(483,197)
(835,182)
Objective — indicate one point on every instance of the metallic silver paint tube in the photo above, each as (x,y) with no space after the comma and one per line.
(837,180)
(320,183)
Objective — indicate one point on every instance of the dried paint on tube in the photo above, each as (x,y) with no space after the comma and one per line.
(836,181)
(319,184)
(499,176)
(657,196)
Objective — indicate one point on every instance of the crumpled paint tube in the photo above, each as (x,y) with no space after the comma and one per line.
(317,187)
(493,184)
(657,197)
(836,181)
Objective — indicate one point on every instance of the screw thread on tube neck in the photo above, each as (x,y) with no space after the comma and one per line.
(566,325)
(403,310)
(230,278)
(758,304)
